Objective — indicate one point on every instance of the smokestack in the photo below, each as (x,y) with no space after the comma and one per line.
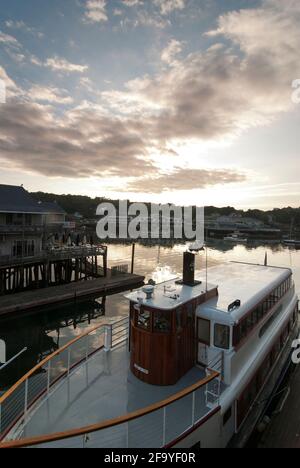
(189,270)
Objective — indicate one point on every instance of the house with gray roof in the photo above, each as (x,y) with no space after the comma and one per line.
(25,222)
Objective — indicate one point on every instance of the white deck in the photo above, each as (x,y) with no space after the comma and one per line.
(106,389)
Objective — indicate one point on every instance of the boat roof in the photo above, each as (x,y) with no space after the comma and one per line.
(170,295)
(247,283)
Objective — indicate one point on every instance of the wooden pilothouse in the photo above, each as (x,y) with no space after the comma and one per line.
(164,327)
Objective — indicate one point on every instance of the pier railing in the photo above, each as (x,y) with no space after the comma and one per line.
(38,384)
(53,255)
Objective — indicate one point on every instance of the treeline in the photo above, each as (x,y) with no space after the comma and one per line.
(87,207)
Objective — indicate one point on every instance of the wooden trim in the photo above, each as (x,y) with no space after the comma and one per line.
(112,422)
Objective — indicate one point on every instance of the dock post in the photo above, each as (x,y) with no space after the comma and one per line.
(107,338)
(132,258)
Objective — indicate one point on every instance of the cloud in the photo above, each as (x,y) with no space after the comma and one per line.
(152,20)
(143,15)
(168,6)
(84,143)
(132,3)
(9,40)
(184,179)
(171,51)
(21,25)
(96,11)
(61,64)
(221,92)
(237,84)
(12,90)
(49,94)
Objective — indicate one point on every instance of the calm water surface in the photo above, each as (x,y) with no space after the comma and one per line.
(45,331)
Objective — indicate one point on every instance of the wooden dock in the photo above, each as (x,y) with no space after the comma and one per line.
(53,267)
(23,301)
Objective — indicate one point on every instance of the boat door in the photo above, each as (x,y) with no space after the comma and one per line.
(186,340)
(203,338)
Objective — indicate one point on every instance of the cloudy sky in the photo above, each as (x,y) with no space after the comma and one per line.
(184,101)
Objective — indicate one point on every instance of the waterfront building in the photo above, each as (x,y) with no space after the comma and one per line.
(35,249)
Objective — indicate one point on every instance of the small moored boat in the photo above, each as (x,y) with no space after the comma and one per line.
(236,237)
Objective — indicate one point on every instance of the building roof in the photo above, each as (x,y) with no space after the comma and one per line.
(51,208)
(14,199)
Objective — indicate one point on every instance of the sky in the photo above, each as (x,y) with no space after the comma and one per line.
(180,101)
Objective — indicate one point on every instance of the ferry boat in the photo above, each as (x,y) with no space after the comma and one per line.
(194,365)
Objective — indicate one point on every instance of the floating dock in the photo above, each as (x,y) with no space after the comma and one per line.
(23,301)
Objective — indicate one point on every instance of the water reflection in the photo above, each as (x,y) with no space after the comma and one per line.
(42,334)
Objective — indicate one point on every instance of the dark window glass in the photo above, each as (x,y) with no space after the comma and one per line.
(28,220)
(222,336)
(144,319)
(249,321)
(236,335)
(162,321)
(9,219)
(260,312)
(204,331)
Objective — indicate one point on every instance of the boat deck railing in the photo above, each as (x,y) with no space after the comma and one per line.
(161,425)
(38,384)
(158,425)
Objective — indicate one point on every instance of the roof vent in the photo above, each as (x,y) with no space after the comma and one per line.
(235,305)
(148,290)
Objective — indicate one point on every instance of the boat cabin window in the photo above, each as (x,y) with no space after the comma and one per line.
(222,336)
(144,319)
(162,321)
(204,331)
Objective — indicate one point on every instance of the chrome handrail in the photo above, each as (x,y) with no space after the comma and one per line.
(13,359)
